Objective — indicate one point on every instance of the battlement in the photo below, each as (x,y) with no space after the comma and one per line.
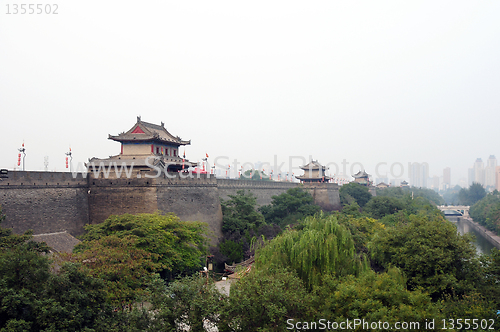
(43,179)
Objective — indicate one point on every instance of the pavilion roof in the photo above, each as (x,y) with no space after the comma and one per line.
(313,164)
(361,174)
(145,131)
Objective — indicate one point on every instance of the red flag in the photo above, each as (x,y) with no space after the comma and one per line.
(206,154)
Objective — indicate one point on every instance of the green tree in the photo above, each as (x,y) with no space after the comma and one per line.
(264,299)
(240,215)
(430,194)
(490,285)
(178,246)
(471,195)
(241,222)
(190,301)
(290,207)
(77,301)
(431,253)
(361,227)
(125,269)
(414,192)
(380,206)
(321,246)
(487,211)
(394,206)
(472,306)
(233,250)
(33,298)
(374,297)
(359,193)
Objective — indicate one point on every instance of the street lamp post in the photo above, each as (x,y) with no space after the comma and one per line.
(23,151)
(68,154)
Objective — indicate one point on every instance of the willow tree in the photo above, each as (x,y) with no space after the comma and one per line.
(322,246)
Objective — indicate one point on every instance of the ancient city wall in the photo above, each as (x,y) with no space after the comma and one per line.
(325,195)
(45,202)
(52,202)
(190,198)
(118,196)
(263,190)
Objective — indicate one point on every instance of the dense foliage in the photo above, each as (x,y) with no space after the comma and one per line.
(290,207)
(381,206)
(265,299)
(244,223)
(395,260)
(401,192)
(125,269)
(240,215)
(354,192)
(176,246)
(33,298)
(431,253)
(487,211)
(374,297)
(469,196)
(241,223)
(320,246)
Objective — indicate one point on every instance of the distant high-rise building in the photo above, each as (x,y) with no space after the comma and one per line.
(447,176)
(476,173)
(435,183)
(489,172)
(419,172)
(497,176)
(470,176)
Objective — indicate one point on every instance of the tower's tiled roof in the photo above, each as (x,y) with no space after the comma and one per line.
(361,174)
(313,164)
(145,131)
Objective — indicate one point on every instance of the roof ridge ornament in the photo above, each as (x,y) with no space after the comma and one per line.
(138,118)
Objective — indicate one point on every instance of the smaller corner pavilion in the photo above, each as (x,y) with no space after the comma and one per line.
(314,172)
(145,140)
(362,178)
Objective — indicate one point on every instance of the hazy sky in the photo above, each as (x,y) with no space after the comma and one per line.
(365,81)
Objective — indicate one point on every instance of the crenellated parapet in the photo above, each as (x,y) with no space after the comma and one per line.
(43,179)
